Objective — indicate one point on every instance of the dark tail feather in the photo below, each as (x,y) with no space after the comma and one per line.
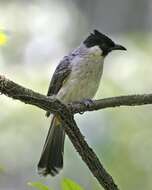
(51,160)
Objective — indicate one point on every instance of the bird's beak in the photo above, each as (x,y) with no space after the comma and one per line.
(118,47)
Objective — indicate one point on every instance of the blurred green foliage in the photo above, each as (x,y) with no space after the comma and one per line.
(2,169)
(66,184)
(39,186)
(40,33)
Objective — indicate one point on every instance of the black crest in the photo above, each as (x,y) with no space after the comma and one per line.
(97,38)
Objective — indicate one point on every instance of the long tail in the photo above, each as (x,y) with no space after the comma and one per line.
(51,160)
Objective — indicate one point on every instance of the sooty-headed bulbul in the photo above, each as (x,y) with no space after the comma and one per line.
(76,78)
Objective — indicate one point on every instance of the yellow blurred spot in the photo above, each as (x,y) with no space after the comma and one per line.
(3,38)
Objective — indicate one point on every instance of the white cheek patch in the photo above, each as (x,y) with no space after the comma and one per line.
(95,50)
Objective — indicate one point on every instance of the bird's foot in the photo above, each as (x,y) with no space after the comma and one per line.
(87,102)
(75,102)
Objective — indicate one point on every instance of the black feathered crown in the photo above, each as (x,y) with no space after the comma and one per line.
(97,38)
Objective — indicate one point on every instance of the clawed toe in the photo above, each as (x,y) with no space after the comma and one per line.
(87,102)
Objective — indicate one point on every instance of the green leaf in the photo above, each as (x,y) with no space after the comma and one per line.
(68,184)
(38,185)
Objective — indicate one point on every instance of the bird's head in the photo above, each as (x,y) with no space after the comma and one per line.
(103,42)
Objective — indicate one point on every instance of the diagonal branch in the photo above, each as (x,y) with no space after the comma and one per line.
(15,91)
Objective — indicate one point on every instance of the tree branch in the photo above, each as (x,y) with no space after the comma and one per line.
(15,91)
(129,100)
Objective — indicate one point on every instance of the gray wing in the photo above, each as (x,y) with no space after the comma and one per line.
(60,75)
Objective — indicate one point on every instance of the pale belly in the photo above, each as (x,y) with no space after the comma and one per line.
(83,81)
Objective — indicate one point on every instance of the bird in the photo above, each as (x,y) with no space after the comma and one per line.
(76,78)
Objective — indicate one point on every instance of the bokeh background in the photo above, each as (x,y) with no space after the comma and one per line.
(40,33)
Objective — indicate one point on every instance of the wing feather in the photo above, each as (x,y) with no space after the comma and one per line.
(60,75)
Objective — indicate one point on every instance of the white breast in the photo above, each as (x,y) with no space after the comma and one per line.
(84,79)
